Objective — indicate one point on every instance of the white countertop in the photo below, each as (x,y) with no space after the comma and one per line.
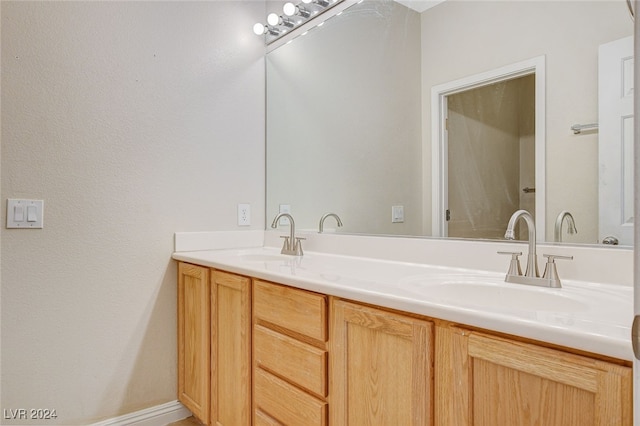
(583,315)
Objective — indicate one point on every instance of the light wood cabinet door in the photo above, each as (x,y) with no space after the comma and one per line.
(487,380)
(194,339)
(381,367)
(231,349)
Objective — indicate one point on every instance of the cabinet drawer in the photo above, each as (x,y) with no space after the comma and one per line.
(298,362)
(263,419)
(296,310)
(286,403)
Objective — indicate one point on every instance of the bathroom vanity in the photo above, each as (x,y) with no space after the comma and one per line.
(269,339)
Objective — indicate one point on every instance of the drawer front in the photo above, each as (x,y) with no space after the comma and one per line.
(298,362)
(263,419)
(296,310)
(286,404)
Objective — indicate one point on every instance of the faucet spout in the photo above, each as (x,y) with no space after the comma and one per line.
(292,225)
(571,225)
(292,245)
(532,259)
(326,215)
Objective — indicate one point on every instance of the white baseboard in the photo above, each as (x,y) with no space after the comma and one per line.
(160,415)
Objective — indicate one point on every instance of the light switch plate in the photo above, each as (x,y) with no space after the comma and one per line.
(25,214)
(397,214)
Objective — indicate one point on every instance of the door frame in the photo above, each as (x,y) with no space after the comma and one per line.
(439,93)
(636,204)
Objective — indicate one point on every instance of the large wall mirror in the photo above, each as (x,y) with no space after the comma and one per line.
(362,110)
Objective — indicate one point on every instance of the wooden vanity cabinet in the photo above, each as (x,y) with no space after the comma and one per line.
(289,356)
(255,352)
(194,339)
(214,345)
(487,380)
(381,367)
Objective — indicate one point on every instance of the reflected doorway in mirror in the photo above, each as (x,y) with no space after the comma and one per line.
(488,133)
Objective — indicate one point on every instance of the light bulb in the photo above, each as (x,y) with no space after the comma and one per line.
(259,29)
(289,9)
(273,19)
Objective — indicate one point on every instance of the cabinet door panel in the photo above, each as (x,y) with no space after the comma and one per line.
(532,400)
(381,367)
(487,380)
(193,339)
(231,349)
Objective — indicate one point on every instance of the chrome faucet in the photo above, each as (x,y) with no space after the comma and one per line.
(532,258)
(550,277)
(571,226)
(326,215)
(292,245)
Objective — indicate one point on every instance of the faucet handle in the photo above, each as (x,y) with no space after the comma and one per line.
(514,265)
(297,246)
(286,246)
(553,257)
(550,270)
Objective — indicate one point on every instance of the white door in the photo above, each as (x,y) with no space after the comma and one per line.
(615,140)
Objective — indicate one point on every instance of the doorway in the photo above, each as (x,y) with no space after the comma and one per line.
(489,151)
(490,157)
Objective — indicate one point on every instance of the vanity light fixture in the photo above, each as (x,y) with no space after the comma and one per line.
(275,20)
(261,29)
(291,9)
(323,3)
(295,15)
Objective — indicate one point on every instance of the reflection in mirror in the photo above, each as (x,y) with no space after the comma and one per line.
(490,157)
(349,126)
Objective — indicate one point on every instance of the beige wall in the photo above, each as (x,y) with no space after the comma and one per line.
(462,38)
(131,120)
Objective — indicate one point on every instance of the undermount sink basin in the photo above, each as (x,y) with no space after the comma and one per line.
(510,296)
(493,294)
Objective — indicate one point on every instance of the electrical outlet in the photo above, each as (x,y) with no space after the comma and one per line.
(244,214)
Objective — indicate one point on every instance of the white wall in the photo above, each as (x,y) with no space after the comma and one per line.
(131,120)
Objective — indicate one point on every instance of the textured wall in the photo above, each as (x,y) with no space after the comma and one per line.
(131,120)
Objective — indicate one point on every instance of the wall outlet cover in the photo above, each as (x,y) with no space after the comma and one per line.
(284,208)
(244,214)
